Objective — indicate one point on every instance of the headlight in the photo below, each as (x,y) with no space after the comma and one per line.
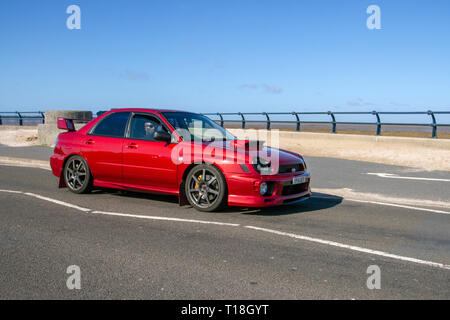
(262,165)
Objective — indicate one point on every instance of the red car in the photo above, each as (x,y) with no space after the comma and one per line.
(178,153)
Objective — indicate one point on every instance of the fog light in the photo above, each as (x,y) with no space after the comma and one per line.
(263,188)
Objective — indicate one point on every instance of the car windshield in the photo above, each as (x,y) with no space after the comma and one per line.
(197,127)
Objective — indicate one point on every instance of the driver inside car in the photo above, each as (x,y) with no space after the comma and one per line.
(150,128)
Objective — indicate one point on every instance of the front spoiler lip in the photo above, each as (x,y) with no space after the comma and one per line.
(303,199)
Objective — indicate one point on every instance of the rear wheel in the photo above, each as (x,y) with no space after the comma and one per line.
(77,175)
(205,188)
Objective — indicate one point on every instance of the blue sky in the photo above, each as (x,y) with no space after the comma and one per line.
(217,55)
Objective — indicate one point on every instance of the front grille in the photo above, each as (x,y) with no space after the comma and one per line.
(287,168)
(294,189)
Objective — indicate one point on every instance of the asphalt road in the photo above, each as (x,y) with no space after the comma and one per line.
(332,174)
(154,249)
(34,152)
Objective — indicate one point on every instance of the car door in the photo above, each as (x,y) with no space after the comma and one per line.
(102,147)
(147,163)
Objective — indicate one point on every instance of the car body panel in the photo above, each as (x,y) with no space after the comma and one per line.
(104,156)
(148,164)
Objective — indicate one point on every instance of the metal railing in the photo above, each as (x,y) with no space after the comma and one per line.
(21,117)
(333,122)
(243,118)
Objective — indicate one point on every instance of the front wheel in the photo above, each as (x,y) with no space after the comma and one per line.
(77,175)
(205,188)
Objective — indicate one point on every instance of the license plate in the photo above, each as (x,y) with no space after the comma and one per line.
(298,180)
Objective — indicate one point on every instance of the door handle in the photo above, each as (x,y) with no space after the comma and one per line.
(90,141)
(132,146)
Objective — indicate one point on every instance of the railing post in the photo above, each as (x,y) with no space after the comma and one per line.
(433,124)
(243,120)
(268,120)
(20,118)
(378,122)
(43,116)
(298,120)
(333,121)
(221,119)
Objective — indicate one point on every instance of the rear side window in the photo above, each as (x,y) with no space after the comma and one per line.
(113,125)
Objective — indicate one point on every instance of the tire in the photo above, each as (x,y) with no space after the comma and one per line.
(77,175)
(205,188)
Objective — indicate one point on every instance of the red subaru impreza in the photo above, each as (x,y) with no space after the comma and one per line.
(178,153)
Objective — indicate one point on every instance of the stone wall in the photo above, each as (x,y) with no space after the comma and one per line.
(48,132)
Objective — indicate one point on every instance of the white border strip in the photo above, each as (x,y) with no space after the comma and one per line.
(24,166)
(398,205)
(11,191)
(62,203)
(354,248)
(165,218)
(332,197)
(396,176)
(22,162)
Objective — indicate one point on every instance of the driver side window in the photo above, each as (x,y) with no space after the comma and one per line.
(143,127)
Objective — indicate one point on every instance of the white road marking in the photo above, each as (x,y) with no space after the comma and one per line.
(62,203)
(396,176)
(165,218)
(66,204)
(400,206)
(24,166)
(10,191)
(413,204)
(21,162)
(383,204)
(354,248)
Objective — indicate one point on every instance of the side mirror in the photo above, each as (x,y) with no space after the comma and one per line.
(66,124)
(162,136)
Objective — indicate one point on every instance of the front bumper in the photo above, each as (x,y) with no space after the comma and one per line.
(243,189)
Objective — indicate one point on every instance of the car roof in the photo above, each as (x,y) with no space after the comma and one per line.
(152,110)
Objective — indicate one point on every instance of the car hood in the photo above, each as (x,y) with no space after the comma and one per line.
(244,150)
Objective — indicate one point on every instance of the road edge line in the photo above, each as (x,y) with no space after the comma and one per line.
(353,248)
